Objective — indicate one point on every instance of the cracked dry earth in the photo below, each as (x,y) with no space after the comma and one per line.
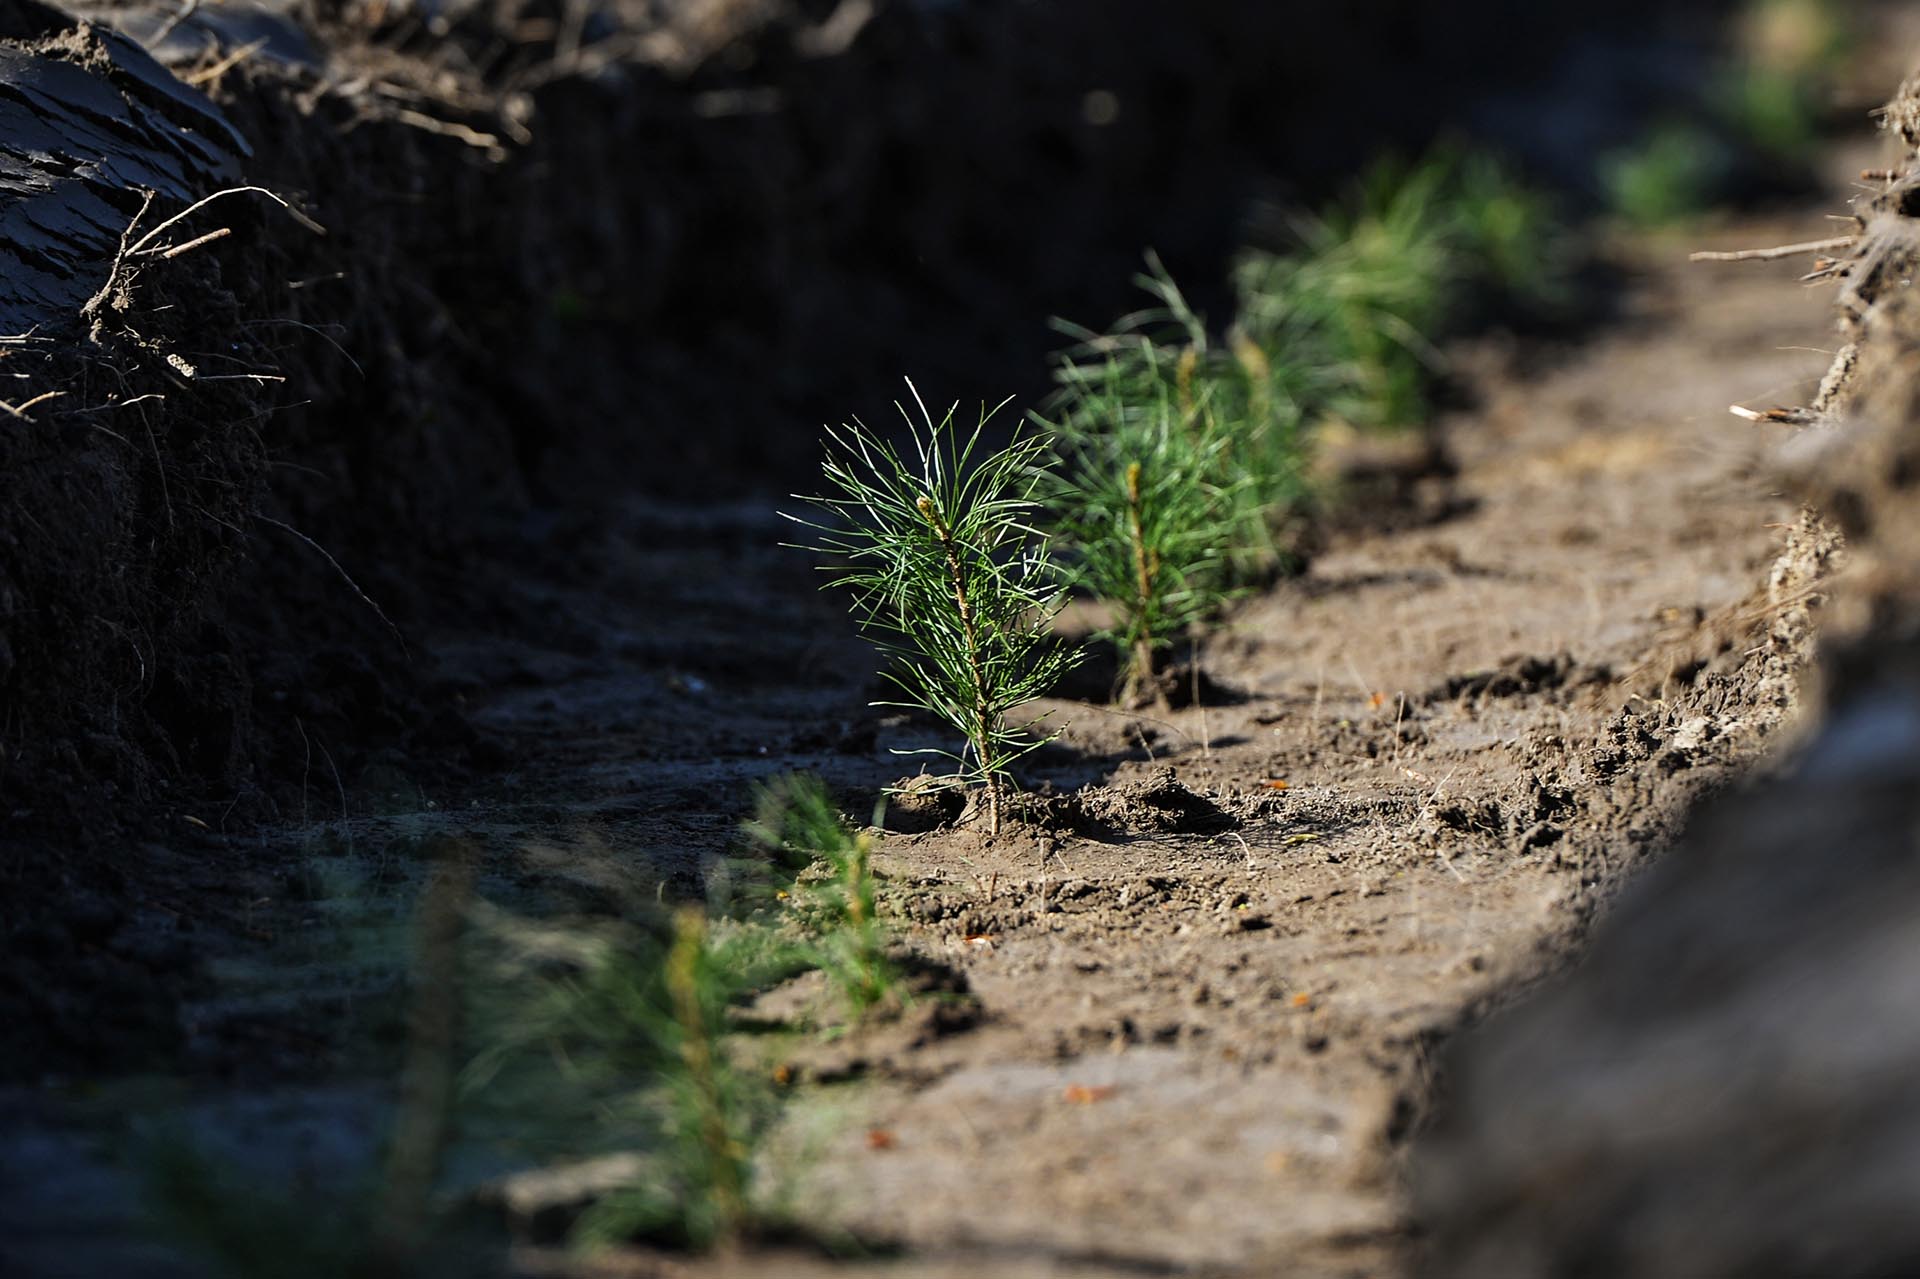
(1203,1003)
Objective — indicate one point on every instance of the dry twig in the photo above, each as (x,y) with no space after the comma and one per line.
(1778,251)
(187,212)
(174,252)
(1785,416)
(179,16)
(212,74)
(20,410)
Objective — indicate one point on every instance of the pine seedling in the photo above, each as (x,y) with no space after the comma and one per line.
(636,1019)
(1671,175)
(1143,506)
(710,1125)
(672,1008)
(950,579)
(1515,248)
(797,818)
(1367,287)
(1253,403)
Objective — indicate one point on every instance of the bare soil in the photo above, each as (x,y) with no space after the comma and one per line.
(1725,1085)
(1204,976)
(1206,1016)
(1205,979)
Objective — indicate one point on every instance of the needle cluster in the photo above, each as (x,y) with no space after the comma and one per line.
(636,1016)
(1248,406)
(950,578)
(1147,505)
(796,819)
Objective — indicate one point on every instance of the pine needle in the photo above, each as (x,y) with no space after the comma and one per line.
(950,578)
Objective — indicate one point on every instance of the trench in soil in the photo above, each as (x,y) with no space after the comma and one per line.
(1206,1019)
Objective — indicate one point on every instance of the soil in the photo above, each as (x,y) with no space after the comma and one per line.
(1195,990)
(1479,724)
(1727,1078)
(1206,980)
(498,322)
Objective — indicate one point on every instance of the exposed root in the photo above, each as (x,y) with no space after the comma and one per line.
(346,576)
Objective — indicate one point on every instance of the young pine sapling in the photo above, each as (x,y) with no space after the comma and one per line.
(796,817)
(1364,290)
(949,578)
(618,1034)
(1232,394)
(1147,513)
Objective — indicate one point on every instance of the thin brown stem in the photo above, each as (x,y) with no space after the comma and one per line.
(982,708)
(1145,567)
(855,881)
(696,1053)
(1778,251)
(1259,373)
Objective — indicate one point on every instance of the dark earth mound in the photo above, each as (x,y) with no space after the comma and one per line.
(1730,1082)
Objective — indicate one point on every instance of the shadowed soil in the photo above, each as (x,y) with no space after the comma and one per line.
(1205,981)
(1206,1027)
(1196,988)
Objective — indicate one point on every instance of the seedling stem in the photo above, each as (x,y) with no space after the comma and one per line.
(1146,566)
(982,715)
(725,1157)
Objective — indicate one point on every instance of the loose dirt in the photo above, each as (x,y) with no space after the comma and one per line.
(1191,1001)
(1725,1084)
(1203,984)
(1206,1021)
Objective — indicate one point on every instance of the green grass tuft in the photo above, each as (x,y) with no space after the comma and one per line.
(1673,175)
(1758,120)
(1510,239)
(1773,94)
